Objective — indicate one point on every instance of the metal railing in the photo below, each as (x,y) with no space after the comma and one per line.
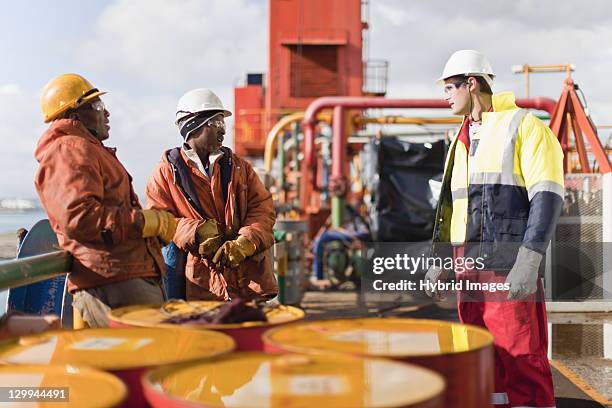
(375,75)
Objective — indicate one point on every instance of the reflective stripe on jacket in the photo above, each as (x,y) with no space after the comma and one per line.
(507,191)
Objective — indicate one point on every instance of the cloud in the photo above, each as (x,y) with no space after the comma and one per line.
(164,48)
(141,130)
(532,14)
(509,33)
(20,128)
(179,45)
(394,15)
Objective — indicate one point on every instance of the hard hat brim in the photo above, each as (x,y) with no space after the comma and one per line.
(440,81)
(63,109)
(92,96)
(226,113)
(487,77)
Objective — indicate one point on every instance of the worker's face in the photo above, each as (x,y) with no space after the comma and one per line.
(94,115)
(456,93)
(209,137)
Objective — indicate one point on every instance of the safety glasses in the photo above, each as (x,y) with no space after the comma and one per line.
(452,88)
(216,121)
(98,106)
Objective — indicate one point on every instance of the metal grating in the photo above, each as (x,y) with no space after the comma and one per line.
(577,247)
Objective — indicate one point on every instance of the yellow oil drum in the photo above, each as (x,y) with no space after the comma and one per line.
(59,387)
(462,354)
(256,379)
(123,352)
(247,335)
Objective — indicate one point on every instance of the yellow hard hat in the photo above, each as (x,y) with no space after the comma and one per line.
(67,91)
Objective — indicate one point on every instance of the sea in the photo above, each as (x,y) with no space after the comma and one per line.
(12,220)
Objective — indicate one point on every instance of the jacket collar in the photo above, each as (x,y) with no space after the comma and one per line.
(504,101)
(193,156)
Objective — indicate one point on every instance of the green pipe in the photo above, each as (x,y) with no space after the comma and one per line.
(296,161)
(337,211)
(281,289)
(34,269)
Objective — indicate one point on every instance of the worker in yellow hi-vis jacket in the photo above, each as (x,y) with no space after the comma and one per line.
(501,197)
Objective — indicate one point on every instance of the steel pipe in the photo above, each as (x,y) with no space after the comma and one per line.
(34,269)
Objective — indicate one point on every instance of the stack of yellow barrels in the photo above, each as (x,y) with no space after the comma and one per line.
(284,362)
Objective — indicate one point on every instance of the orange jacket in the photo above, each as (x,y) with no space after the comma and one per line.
(92,207)
(249,211)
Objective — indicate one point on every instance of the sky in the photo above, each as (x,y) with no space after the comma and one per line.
(147,53)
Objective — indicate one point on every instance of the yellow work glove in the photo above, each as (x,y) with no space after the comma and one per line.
(232,253)
(208,237)
(158,223)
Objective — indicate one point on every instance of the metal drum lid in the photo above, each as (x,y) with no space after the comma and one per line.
(388,337)
(149,315)
(116,349)
(60,386)
(292,380)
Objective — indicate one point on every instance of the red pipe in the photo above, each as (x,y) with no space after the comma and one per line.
(357,102)
(361,102)
(338,151)
(341,104)
(540,103)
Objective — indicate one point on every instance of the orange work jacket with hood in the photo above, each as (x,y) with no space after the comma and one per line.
(92,207)
(248,210)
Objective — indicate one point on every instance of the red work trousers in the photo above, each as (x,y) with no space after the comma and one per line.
(520,330)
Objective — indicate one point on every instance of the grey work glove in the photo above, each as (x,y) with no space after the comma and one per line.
(523,277)
(432,277)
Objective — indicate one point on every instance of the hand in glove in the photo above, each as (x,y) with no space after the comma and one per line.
(158,223)
(208,238)
(523,277)
(432,277)
(232,253)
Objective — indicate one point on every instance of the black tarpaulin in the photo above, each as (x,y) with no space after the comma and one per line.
(403,180)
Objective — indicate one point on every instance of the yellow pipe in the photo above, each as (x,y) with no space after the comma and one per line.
(270,148)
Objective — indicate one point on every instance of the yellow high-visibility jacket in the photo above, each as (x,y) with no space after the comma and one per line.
(507,191)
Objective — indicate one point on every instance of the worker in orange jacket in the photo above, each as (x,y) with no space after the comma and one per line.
(224,213)
(92,207)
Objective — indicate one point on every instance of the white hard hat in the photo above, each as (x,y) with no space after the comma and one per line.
(468,63)
(199,100)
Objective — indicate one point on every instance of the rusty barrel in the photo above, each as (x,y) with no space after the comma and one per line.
(247,335)
(125,353)
(462,354)
(256,379)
